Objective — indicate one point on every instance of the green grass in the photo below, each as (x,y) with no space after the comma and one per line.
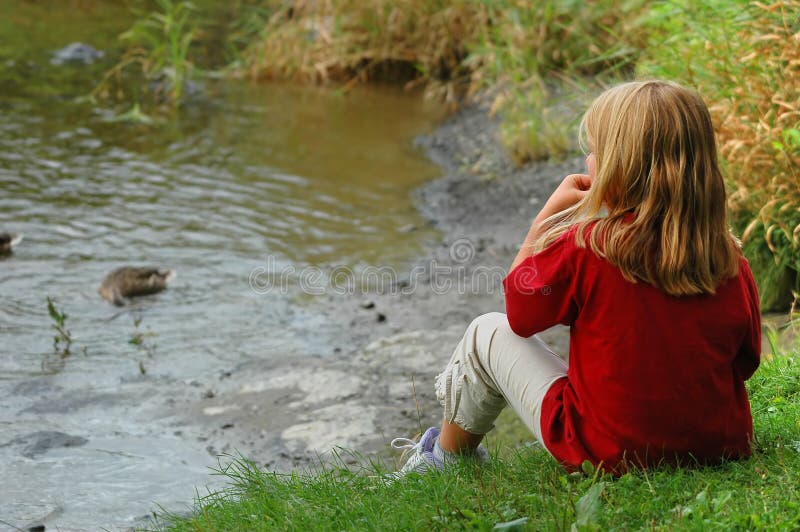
(525,489)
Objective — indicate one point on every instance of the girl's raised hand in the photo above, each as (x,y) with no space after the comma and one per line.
(572,189)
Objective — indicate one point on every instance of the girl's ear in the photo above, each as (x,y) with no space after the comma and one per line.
(591,165)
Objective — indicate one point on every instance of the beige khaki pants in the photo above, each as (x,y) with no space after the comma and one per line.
(493,367)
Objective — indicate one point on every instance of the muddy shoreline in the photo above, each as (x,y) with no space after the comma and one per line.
(377,383)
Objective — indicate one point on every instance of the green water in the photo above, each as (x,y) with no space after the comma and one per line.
(341,164)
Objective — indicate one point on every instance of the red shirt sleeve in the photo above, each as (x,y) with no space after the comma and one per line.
(749,356)
(540,291)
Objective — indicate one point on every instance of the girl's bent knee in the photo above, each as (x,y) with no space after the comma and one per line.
(484,329)
(491,319)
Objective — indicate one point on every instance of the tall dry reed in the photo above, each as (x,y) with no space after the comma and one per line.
(422,42)
(759,130)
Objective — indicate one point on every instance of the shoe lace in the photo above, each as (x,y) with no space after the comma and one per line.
(403,443)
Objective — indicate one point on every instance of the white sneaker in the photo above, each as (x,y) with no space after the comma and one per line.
(424,458)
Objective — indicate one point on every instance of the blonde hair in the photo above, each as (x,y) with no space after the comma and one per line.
(659,180)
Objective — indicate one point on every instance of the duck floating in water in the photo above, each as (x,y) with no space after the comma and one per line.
(129,282)
(8,241)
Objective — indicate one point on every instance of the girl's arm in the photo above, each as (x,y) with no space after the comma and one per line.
(572,189)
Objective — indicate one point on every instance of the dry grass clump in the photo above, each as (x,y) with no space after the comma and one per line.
(759,132)
(744,57)
(368,40)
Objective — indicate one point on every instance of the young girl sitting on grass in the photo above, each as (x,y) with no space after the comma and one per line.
(637,258)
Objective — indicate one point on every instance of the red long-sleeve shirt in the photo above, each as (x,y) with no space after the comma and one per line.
(652,378)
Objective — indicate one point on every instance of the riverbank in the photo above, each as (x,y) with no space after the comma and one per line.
(377,382)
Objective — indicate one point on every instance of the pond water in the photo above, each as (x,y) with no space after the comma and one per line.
(242,177)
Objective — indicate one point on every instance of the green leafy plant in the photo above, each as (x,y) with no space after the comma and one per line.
(588,508)
(158,46)
(62,340)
